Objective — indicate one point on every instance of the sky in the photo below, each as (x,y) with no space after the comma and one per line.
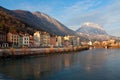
(73,13)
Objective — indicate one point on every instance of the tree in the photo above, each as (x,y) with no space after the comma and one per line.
(12,29)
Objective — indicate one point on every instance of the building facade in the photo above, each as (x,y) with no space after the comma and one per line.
(66,41)
(26,40)
(45,39)
(3,40)
(31,41)
(20,40)
(37,37)
(12,38)
(53,40)
(59,41)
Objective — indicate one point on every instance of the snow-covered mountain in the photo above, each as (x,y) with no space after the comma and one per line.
(93,31)
(91,28)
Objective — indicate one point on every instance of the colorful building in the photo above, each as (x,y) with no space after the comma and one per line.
(12,38)
(45,39)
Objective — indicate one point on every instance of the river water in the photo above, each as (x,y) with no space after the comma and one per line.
(95,64)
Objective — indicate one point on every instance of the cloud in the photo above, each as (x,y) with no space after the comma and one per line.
(107,15)
(80,12)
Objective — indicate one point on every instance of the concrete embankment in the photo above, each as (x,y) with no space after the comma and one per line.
(13,53)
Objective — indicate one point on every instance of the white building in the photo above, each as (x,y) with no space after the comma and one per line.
(90,43)
(26,40)
(58,41)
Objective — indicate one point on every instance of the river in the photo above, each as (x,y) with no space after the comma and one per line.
(95,64)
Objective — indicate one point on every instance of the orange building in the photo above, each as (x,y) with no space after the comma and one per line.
(12,38)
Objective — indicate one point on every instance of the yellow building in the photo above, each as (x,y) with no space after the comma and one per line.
(37,38)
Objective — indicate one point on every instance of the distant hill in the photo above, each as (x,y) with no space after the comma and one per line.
(32,21)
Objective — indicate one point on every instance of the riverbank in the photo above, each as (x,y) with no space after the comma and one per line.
(106,47)
(22,52)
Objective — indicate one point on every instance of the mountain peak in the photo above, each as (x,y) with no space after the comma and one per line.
(53,23)
(93,25)
(37,13)
(92,28)
(41,15)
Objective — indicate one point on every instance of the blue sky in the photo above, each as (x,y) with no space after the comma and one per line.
(73,13)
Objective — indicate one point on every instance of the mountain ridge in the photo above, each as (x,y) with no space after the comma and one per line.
(42,23)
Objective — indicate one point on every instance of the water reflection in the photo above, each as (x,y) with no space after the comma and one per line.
(67,61)
(64,66)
